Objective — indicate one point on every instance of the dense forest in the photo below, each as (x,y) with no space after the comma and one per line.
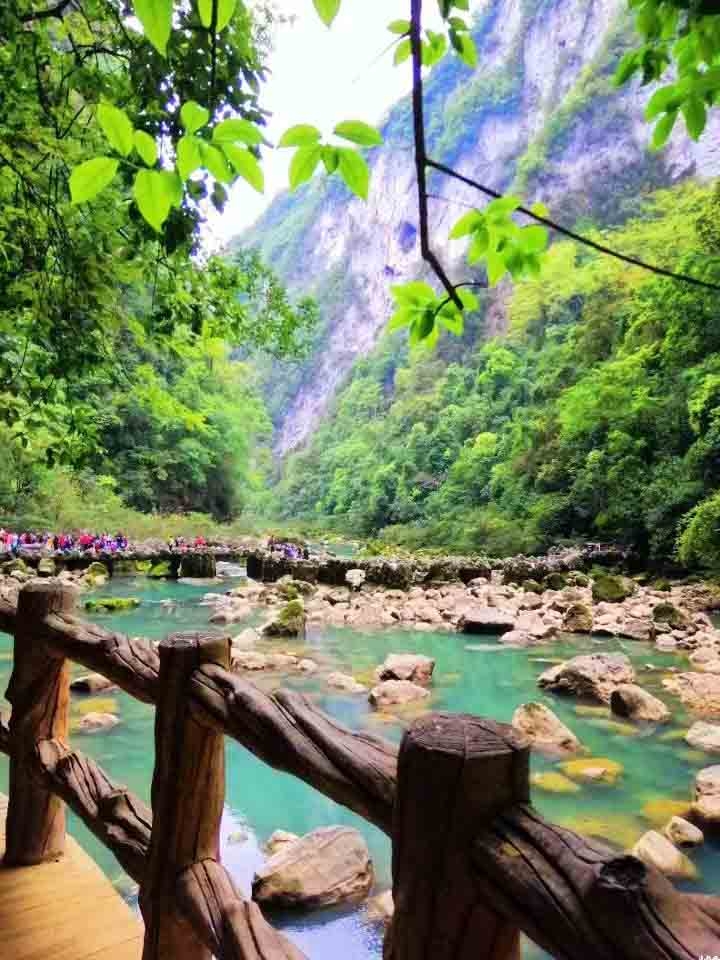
(597,416)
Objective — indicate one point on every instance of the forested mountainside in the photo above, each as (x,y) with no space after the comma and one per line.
(540,116)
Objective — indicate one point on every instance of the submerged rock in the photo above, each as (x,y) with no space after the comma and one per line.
(343,681)
(329,866)
(630,700)
(593,675)
(396,692)
(657,851)
(97,722)
(278,841)
(406,666)
(553,782)
(593,770)
(544,729)
(111,604)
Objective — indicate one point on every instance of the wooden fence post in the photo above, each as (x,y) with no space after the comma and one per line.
(39,691)
(455,773)
(188,791)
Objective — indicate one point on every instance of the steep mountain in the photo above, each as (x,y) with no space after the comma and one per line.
(540,115)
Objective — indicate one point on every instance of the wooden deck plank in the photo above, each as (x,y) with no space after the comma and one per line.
(64,910)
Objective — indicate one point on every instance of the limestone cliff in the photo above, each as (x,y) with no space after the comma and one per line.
(540,115)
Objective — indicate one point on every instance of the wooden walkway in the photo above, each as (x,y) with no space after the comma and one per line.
(65,910)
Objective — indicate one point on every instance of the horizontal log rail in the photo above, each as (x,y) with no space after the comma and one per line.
(454,801)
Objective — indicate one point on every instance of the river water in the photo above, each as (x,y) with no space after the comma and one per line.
(473,674)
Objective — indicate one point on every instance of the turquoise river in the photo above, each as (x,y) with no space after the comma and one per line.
(474,675)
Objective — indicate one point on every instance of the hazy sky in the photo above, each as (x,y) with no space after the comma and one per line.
(322,76)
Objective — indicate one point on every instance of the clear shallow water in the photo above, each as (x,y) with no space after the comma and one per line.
(472,674)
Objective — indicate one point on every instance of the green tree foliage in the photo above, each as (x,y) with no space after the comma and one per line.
(597,417)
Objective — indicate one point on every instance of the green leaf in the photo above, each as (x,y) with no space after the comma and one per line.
(87,180)
(358,132)
(225,10)
(246,165)
(412,293)
(146,147)
(400,27)
(230,131)
(660,101)
(533,239)
(355,172)
(626,68)
(479,245)
(434,48)
(468,299)
(499,209)
(301,135)
(402,51)
(467,51)
(423,325)
(327,9)
(173,186)
(153,195)
(695,116)
(540,210)
(189,157)
(215,162)
(117,127)
(663,129)
(303,164)
(331,158)
(467,224)
(193,116)
(156,19)
(495,267)
(452,319)
(401,318)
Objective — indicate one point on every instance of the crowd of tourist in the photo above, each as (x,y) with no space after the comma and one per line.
(292,551)
(13,542)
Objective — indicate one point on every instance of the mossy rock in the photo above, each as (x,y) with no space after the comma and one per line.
(532,586)
(577,579)
(661,585)
(586,710)
(290,621)
(293,589)
(593,770)
(143,566)
(669,613)
(111,604)
(10,566)
(619,828)
(673,736)
(555,581)
(124,568)
(46,567)
(96,705)
(552,782)
(97,569)
(159,570)
(609,588)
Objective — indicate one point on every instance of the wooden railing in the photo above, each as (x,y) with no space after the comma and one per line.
(473,863)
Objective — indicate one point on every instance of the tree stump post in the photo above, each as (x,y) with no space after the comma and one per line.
(455,773)
(39,691)
(188,791)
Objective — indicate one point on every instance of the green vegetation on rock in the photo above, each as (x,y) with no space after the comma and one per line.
(111,604)
(607,588)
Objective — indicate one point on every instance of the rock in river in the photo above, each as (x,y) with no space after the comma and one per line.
(324,868)
(706,804)
(593,675)
(97,722)
(290,622)
(394,692)
(683,833)
(657,851)
(486,620)
(630,700)
(91,683)
(704,736)
(406,666)
(700,692)
(544,729)
(343,681)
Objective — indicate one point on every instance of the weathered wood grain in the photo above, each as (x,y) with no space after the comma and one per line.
(39,691)
(230,927)
(455,773)
(188,792)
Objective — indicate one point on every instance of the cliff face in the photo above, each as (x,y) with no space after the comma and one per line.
(539,116)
